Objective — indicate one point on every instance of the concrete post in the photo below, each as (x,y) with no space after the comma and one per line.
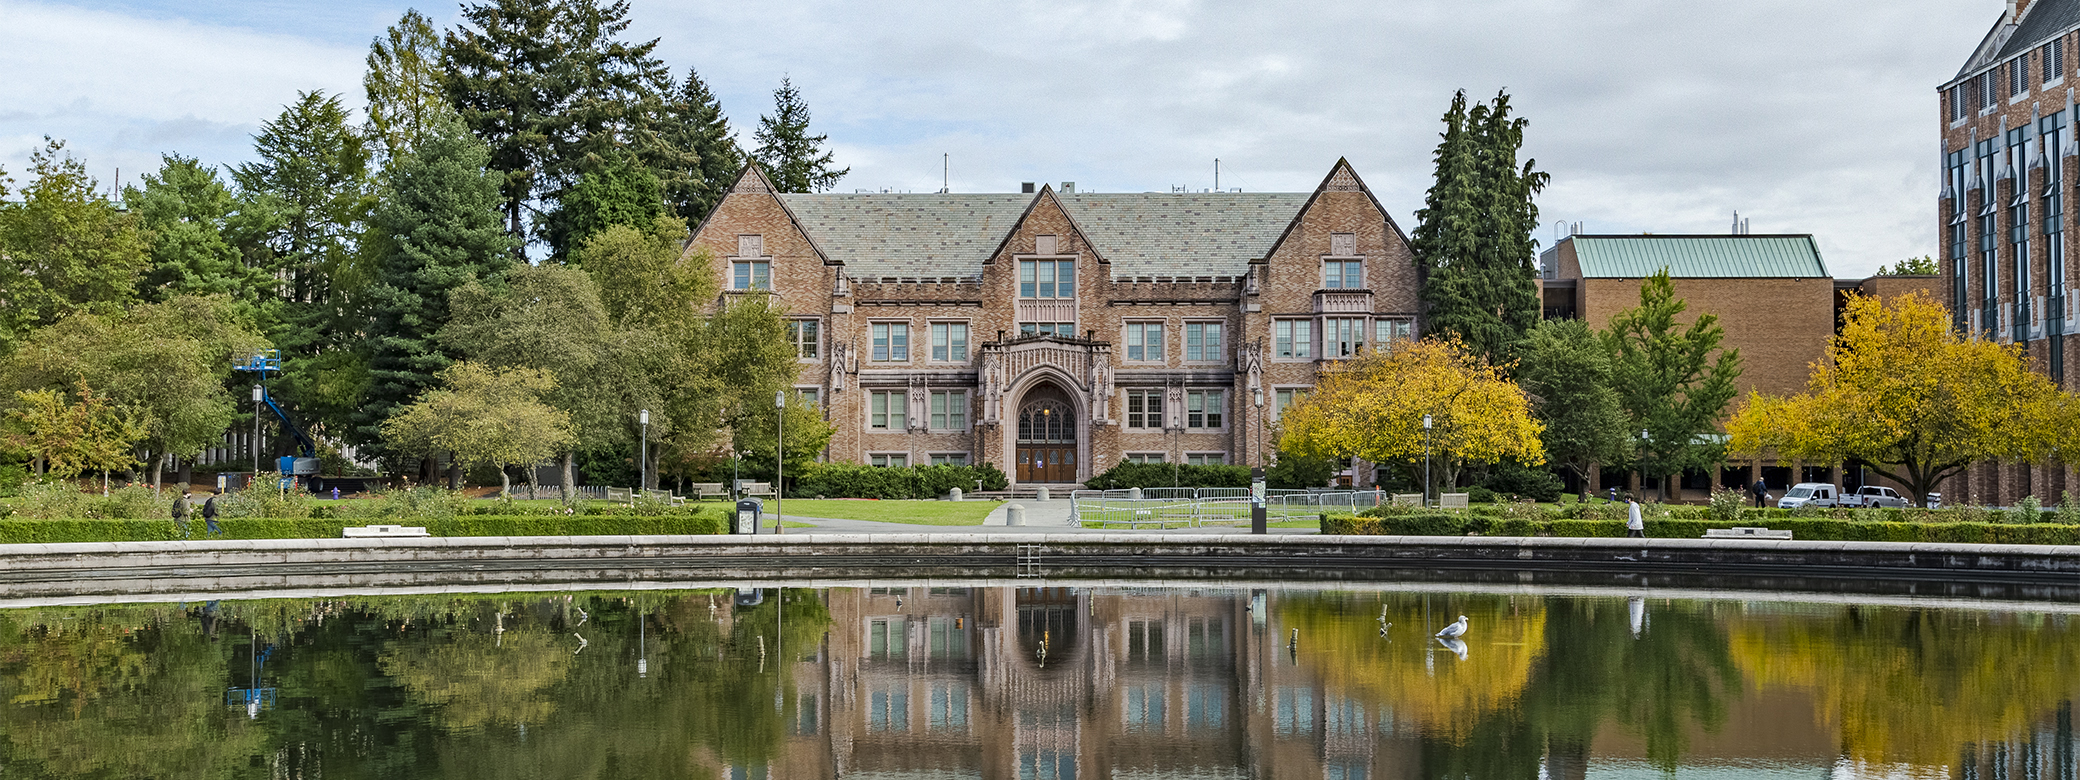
(954,495)
(1015,514)
(1134,494)
(1041,495)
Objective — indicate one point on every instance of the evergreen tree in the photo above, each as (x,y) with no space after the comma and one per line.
(437,229)
(1671,384)
(405,98)
(188,209)
(551,88)
(1473,241)
(696,155)
(619,192)
(793,159)
(64,248)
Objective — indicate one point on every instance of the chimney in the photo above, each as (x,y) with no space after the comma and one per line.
(1027,187)
(1069,187)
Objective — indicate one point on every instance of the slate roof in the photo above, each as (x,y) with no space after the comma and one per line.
(879,235)
(1700,257)
(2041,22)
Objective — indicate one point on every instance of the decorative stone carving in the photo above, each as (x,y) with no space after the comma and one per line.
(838,365)
(992,385)
(1100,385)
(1253,362)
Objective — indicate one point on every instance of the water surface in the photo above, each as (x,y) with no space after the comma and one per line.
(939,683)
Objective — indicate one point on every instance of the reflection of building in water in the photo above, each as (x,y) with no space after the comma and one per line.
(1058,684)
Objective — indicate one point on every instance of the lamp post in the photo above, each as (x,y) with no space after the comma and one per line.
(1426,460)
(779,458)
(1256,397)
(258,395)
(1643,460)
(643,469)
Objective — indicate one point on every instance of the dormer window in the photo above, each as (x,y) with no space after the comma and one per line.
(750,269)
(1343,274)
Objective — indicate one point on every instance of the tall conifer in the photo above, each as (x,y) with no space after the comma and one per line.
(794,160)
(1473,240)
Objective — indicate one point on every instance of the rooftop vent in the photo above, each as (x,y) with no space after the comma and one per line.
(1026,187)
(1069,188)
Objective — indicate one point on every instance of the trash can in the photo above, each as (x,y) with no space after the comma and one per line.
(748,512)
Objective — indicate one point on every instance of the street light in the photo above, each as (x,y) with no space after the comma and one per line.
(779,458)
(1426,460)
(1643,461)
(643,471)
(1256,396)
(259,394)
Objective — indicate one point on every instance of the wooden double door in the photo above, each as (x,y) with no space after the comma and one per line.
(1046,463)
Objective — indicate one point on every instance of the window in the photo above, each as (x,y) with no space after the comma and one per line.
(1206,707)
(1295,713)
(2018,76)
(1342,336)
(1145,409)
(1292,339)
(887,638)
(888,408)
(949,410)
(1284,397)
(950,342)
(1386,332)
(1145,637)
(1047,329)
(2054,60)
(2018,229)
(805,337)
(1145,341)
(1343,274)
(751,246)
(1954,101)
(1206,459)
(1204,408)
(947,637)
(1343,244)
(1046,278)
(1145,457)
(751,275)
(949,459)
(1987,95)
(889,460)
(891,342)
(1143,712)
(888,707)
(1202,341)
(814,395)
(949,707)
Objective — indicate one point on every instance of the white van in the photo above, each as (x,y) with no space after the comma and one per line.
(1809,494)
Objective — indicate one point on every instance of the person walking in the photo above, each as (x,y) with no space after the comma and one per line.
(180,510)
(1761,491)
(209,513)
(1635,527)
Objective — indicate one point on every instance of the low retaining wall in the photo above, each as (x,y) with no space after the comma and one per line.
(231,567)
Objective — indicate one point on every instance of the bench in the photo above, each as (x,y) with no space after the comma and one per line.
(1451,500)
(620,495)
(663,495)
(368,531)
(1745,533)
(1408,499)
(756,488)
(702,490)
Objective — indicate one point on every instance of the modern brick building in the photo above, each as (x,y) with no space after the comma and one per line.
(2007,155)
(1056,333)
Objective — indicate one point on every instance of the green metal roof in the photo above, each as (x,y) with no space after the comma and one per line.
(1700,257)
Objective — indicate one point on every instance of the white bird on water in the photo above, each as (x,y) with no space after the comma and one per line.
(1455,630)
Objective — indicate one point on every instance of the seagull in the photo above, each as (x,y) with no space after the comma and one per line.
(1457,647)
(1455,630)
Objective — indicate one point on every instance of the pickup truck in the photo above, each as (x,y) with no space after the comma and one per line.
(1874,497)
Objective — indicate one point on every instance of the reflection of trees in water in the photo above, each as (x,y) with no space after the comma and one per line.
(1916,684)
(393,687)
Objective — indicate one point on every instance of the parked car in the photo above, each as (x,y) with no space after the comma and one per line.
(1874,497)
(1809,494)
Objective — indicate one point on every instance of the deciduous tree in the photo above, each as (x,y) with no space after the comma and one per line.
(1672,379)
(619,192)
(64,248)
(483,417)
(1372,407)
(66,437)
(1566,369)
(1904,392)
(794,160)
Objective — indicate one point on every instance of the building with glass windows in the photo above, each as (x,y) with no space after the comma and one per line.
(2007,155)
(1057,333)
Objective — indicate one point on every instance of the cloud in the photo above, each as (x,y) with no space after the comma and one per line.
(1663,117)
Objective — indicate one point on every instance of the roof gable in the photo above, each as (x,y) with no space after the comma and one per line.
(1699,257)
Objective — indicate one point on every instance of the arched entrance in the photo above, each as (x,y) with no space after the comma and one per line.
(1046,446)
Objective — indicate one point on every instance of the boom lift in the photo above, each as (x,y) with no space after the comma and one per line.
(305,462)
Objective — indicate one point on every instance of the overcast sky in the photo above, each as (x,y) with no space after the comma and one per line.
(1659,117)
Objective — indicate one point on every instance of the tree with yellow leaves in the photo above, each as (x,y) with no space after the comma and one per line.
(1905,393)
(1372,407)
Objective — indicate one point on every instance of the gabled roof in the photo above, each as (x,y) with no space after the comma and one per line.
(2041,22)
(1699,257)
(1182,234)
(906,235)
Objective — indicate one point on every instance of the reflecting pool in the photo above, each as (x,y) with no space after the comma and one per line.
(1043,683)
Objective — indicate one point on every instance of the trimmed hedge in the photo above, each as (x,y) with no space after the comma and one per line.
(1809,529)
(91,530)
(855,480)
(1151,475)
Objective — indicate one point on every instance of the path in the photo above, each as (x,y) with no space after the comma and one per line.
(1049,517)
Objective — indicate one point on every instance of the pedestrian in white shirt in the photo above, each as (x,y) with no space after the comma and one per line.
(1635,527)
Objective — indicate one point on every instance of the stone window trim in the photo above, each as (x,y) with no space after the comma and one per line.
(947,458)
(1145,457)
(1145,409)
(806,334)
(1139,326)
(812,392)
(1206,410)
(949,411)
(1217,344)
(749,275)
(888,458)
(1292,393)
(894,347)
(1036,290)
(1207,458)
(958,351)
(1301,344)
(891,408)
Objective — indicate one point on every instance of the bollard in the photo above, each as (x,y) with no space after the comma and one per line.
(954,495)
(1042,496)
(1134,494)
(1015,514)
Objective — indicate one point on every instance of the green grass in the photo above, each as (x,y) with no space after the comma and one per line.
(907,512)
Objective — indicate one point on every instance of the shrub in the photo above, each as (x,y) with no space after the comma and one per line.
(1813,529)
(112,530)
(1510,478)
(1479,495)
(50,499)
(856,480)
(1595,510)
(2028,510)
(134,502)
(1297,472)
(1726,504)
(264,502)
(1148,475)
(12,477)
(2068,509)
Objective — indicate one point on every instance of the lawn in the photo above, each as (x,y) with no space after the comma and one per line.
(909,512)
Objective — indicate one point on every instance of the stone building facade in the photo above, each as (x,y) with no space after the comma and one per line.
(2008,163)
(1055,333)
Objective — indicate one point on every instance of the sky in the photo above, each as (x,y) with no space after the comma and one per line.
(1658,117)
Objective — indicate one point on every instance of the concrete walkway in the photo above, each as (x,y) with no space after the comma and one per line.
(1042,517)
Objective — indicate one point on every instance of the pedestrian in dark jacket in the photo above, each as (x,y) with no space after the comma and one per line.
(1761,491)
(180,509)
(209,513)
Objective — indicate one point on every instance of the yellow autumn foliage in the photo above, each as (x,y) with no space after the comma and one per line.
(1414,676)
(1904,392)
(1372,407)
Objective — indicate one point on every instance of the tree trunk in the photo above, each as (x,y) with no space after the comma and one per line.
(505,483)
(185,474)
(454,473)
(570,470)
(158,471)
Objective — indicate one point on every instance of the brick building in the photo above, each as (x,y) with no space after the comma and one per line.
(1056,333)
(2007,155)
